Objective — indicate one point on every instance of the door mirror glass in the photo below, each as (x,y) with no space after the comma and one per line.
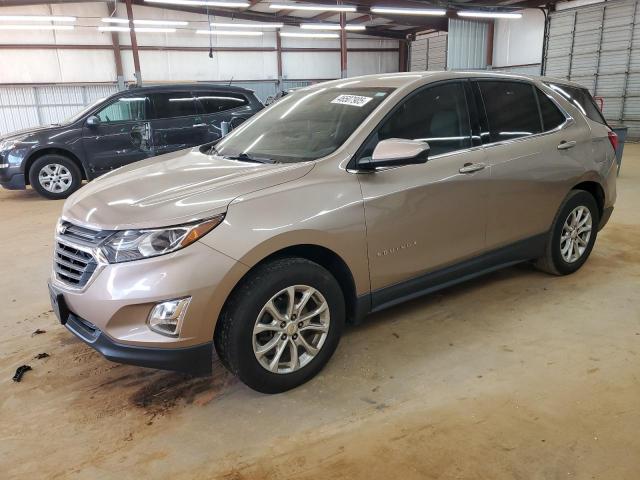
(93,121)
(395,152)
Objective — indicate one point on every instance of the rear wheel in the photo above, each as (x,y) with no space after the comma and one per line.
(572,235)
(281,325)
(55,176)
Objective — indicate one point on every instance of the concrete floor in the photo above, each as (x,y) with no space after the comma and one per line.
(518,375)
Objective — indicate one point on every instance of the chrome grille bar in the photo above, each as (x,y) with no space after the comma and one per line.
(74,263)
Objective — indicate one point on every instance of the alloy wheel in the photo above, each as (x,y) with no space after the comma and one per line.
(55,178)
(291,329)
(576,233)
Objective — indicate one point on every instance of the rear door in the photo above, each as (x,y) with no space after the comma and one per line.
(219,106)
(533,148)
(122,136)
(176,121)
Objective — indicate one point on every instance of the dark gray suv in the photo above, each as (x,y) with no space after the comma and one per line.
(124,128)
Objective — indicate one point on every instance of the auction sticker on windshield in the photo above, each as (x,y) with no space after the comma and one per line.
(353,100)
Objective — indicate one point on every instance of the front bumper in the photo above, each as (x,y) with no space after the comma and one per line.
(14,181)
(195,360)
(110,313)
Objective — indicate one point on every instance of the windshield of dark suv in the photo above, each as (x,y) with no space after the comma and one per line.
(305,125)
(82,112)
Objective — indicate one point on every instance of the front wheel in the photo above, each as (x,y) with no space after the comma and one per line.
(55,176)
(281,325)
(572,235)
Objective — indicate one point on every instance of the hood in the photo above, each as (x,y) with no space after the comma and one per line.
(28,131)
(171,189)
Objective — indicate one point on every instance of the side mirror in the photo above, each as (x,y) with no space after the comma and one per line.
(395,152)
(93,121)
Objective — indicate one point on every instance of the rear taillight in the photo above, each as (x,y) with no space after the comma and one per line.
(613,138)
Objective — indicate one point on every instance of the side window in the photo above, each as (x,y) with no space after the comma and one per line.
(214,102)
(437,115)
(552,117)
(125,109)
(582,99)
(512,109)
(173,104)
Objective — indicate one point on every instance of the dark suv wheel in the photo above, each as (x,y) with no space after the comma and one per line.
(55,176)
(281,325)
(572,235)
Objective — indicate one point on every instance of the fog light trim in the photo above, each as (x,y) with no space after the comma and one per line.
(166,317)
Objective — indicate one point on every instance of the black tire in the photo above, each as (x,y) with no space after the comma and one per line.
(553,261)
(233,337)
(66,189)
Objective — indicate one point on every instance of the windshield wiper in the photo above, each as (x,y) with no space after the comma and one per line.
(243,157)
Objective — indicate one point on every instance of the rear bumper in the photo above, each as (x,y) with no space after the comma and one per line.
(195,360)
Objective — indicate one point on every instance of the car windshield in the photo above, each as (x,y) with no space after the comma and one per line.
(304,125)
(82,112)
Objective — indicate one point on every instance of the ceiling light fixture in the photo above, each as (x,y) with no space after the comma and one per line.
(247,25)
(236,33)
(145,22)
(309,35)
(478,14)
(138,29)
(320,26)
(323,8)
(355,27)
(202,3)
(410,11)
(37,27)
(36,18)
(154,30)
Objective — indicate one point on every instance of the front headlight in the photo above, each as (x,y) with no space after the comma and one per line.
(128,245)
(9,143)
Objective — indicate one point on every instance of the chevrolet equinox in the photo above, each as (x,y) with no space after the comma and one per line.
(338,200)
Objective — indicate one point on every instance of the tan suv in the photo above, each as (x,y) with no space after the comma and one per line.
(338,200)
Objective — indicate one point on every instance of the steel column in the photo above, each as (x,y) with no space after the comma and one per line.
(279,59)
(134,44)
(343,45)
(599,52)
(628,67)
(573,41)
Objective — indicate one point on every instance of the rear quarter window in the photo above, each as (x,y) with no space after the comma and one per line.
(582,99)
(214,102)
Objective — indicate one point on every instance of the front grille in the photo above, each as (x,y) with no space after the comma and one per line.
(74,265)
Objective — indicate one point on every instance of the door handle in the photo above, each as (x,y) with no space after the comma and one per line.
(472,167)
(566,145)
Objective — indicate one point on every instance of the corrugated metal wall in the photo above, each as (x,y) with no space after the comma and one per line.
(598,46)
(428,52)
(468,42)
(24,106)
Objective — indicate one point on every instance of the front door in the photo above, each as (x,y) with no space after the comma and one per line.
(421,218)
(121,136)
(176,122)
